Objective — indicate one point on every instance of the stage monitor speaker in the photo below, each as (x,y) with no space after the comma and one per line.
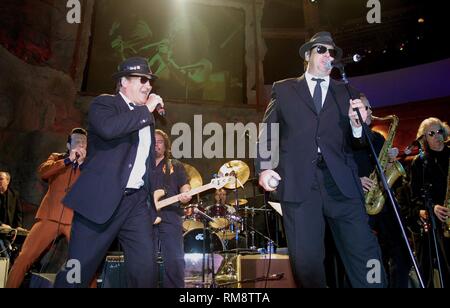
(113,275)
(252,270)
(4,268)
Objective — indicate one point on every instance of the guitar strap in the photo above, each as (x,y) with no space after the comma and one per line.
(168,167)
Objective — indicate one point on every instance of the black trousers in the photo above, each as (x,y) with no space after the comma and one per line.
(170,236)
(132,224)
(305,229)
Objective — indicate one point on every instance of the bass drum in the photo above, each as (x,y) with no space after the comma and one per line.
(193,241)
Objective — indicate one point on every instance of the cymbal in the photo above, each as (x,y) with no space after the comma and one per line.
(238,167)
(240,202)
(195,179)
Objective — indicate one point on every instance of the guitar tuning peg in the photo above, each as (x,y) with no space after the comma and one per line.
(215,176)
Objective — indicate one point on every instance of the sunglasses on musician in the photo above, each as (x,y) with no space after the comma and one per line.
(322,49)
(143,79)
(432,133)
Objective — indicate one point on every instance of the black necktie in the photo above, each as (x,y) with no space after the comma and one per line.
(317,97)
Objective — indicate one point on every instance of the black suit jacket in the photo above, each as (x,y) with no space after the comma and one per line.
(302,131)
(13,209)
(113,138)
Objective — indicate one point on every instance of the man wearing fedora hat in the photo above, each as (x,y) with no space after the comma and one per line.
(111,197)
(317,175)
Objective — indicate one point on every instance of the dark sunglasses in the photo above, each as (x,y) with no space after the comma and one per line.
(431,133)
(143,79)
(322,49)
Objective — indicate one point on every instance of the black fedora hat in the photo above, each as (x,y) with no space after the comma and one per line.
(320,38)
(137,66)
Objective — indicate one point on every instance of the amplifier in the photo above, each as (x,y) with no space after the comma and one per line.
(4,268)
(113,274)
(252,271)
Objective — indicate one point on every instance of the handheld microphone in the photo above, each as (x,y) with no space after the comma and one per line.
(159,109)
(75,162)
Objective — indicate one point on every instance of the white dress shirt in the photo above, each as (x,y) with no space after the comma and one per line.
(357,131)
(136,179)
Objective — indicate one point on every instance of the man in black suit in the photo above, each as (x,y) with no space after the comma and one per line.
(11,213)
(111,197)
(317,175)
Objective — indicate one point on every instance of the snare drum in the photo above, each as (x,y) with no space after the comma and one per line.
(229,232)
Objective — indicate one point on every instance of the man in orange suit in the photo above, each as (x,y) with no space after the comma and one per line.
(60,170)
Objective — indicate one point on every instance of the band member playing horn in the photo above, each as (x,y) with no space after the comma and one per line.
(170,175)
(430,175)
(382,220)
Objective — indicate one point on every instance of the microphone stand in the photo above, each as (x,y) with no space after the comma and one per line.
(205,265)
(382,176)
(428,202)
(429,208)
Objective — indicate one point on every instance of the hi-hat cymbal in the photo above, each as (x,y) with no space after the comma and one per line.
(195,179)
(237,167)
(240,202)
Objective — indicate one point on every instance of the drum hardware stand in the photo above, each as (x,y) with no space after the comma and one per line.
(252,227)
(270,242)
(205,261)
(236,206)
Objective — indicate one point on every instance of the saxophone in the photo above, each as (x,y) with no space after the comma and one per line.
(447,203)
(375,198)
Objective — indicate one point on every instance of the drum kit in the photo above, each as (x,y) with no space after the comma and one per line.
(214,232)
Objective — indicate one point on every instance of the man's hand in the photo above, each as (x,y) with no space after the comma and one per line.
(264,178)
(367,184)
(441,212)
(184,198)
(5,226)
(153,101)
(82,155)
(423,214)
(357,103)
(77,154)
(73,155)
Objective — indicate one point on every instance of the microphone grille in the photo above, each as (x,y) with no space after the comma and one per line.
(356,58)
